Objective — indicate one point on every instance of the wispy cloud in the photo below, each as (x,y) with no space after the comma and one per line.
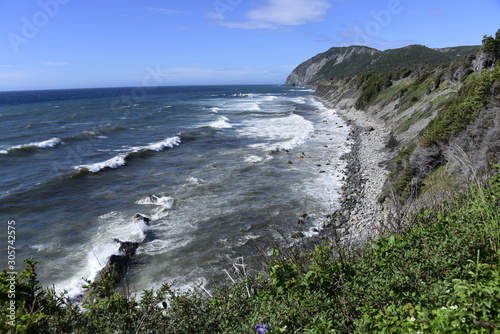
(13,75)
(275,14)
(196,72)
(55,63)
(166,11)
(289,12)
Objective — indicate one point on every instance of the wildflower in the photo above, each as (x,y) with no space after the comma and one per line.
(262,328)
(412,319)
(454,307)
(444,308)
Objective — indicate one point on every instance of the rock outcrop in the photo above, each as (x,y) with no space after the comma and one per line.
(309,72)
(343,62)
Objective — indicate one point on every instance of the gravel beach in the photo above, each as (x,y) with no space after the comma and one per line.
(361,216)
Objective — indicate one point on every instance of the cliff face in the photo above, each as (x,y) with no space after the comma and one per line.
(309,72)
(341,62)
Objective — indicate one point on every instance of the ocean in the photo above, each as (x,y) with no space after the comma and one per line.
(223,172)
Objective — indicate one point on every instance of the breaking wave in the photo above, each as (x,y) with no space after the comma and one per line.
(26,147)
(121,159)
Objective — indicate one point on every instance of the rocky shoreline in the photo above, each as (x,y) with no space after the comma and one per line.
(360,216)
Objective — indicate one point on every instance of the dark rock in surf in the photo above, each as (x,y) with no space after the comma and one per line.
(115,270)
(145,219)
(297,235)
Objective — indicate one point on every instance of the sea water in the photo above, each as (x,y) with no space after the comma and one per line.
(223,172)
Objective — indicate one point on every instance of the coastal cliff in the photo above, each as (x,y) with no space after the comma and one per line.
(434,116)
(344,62)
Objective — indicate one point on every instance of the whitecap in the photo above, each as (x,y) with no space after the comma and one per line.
(50,143)
(161,145)
(114,162)
(121,159)
(47,143)
(221,123)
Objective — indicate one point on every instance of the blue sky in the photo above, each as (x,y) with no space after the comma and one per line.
(47,44)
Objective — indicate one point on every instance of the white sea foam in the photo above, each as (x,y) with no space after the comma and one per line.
(164,205)
(221,123)
(299,100)
(215,110)
(165,201)
(194,181)
(253,159)
(159,246)
(284,132)
(103,246)
(247,106)
(42,144)
(303,90)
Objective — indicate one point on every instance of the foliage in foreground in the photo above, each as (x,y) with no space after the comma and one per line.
(441,274)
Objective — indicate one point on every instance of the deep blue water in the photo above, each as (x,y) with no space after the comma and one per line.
(218,169)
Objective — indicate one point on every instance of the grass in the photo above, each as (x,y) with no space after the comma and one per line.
(414,118)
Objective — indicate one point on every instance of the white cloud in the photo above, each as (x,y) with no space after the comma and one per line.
(290,12)
(55,63)
(275,14)
(195,72)
(200,75)
(13,75)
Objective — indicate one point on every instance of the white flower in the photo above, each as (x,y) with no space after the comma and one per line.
(412,319)
(463,319)
(454,307)
(444,308)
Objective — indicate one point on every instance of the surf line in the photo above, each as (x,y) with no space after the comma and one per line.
(121,159)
